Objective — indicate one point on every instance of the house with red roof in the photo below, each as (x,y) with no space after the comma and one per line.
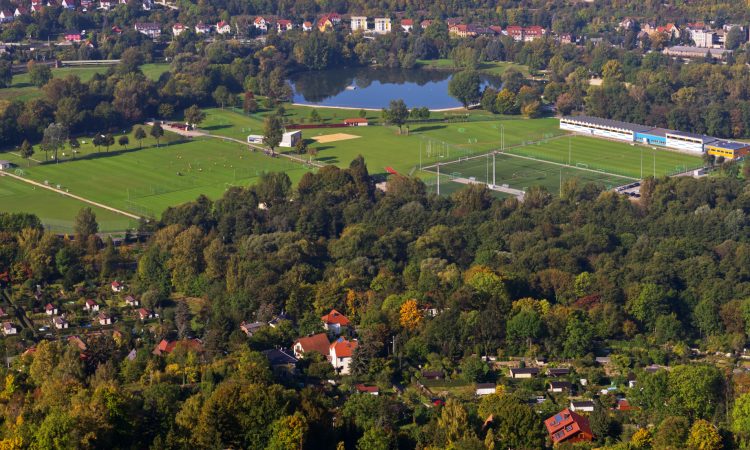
(307,25)
(91,306)
(334,322)
(223,27)
(367,389)
(178,29)
(261,23)
(117,286)
(283,25)
(104,319)
(145,314)
(407,25)
(73,36)
(567,426)
(50,309)
(340,354)
(356,122)
(202,28)
(313,343)
(514,31)
(533,32)
(425,23)
(166,347)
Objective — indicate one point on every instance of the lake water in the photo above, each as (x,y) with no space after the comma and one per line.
(375,88)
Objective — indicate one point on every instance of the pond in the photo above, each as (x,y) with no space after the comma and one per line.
(375,88)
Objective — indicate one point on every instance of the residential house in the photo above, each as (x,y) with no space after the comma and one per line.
(623,404)
(334,322)
(461,30)
(515,32)
(166,347)
(281,361)
(433,374)
(223,27)
(251,328)
(582,406)
(178,29)
(145,314)
(356,122)
(87,4)
(627,24)
(358,23)
(261,24)
(603,360)
(382,25)
(558,372)
(105,4)
(104,319)
(116,30)
(670,29)
(425,23)
(276,320)
(307,25)
(407,25)
(558,387)
(131,301)
(283,25)
(533,32)
(524,372)
(453,21)
(150,29)
(497,30)
(117,286)
(60,323)
(50,309)
(340,354)
(567,426)
(202,28)
(314,343)
(20,11)
(68,4)
(485,389)
(36,9)
(72,36)
(566,38)
(9,329)
(325,24)
(91,306)
(367,389)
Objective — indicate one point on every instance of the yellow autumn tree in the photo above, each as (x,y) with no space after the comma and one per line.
(410,317)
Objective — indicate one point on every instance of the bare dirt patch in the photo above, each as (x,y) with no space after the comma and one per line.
(326,138)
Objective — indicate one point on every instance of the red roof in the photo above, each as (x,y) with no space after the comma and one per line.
(166,346)
(335,317)
(221,24)
(356,120)
(366,388)
(49,307)
(315,343)
(407,22)
(568,426)
(344,348)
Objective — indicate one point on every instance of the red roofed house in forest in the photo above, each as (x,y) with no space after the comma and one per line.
(341,352)
(315,343)
(334,322)
(567,426)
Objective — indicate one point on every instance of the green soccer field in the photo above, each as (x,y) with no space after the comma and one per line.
(613,157)
(523,173)
(147,181)
(57,211)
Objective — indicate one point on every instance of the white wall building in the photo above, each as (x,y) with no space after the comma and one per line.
(359,23)
(382,25)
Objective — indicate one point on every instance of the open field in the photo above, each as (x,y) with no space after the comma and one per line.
(57,211)
(522,173)
(490,67)
(610,156)
(147,181)
(22,89)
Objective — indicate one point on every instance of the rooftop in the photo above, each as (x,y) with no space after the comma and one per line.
(729,145)
(608,123)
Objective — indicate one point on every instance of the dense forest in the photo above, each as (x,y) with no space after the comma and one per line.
(568,278)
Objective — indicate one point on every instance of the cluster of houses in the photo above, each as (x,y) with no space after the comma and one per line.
(36,6)
(332,344)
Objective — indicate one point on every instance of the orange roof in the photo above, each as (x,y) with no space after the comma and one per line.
(344,348)
(315,343)
(335,317)
(567,425)
(356,120)
(366,388)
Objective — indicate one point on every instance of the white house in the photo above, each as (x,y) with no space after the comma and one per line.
(283,25)
(524,372)
(582,406)
(104,319)
(91,306)
(178,29)
(50,309)
(340,354)
(485,388)
(313,343)
(407,25)
(260,23)
(290,138)
(202,28)
(60,323)
(117,286)
(9,329)
(382,25)
(6,16)
(5,165)
(68,4)
(145,314)
(131,301)
(559,386)
(307,26)
(223,28)
(150,29)
(359,23)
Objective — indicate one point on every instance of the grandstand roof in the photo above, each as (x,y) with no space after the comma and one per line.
(609,123)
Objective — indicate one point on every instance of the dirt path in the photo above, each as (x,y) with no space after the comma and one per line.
(68,194)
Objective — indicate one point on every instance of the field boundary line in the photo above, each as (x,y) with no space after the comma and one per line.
(600,172)
(68,194)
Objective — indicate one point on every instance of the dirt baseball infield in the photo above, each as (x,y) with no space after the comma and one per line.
(326,138)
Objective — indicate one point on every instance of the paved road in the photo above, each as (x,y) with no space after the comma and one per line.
(68,194)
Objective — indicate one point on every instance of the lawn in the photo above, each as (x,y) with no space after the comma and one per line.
(382,146)
(22,89)
(612,157)
(56,210)
(522,173)
(148,180)
(489,67)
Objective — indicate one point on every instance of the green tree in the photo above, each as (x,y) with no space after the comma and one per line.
(515,424)
(578,335)
(695,390)
(464,86)
(85,225)
(704,436)
(505,103)
(194,116)
(473,369)
(741,420)
(140,135)
(26,151)
(222,96)
(600,422)
(6,73)
(377,439)
(166,110)
(289,433)
(39,74)
(453,421)
(735,37)
(273,131)
(156,132)
(672,433)
(54,139)
(396,114)
(314,116)
(108,140)
(123,141)
(524,328)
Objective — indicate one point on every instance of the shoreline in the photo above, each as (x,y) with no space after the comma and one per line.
(352,108)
